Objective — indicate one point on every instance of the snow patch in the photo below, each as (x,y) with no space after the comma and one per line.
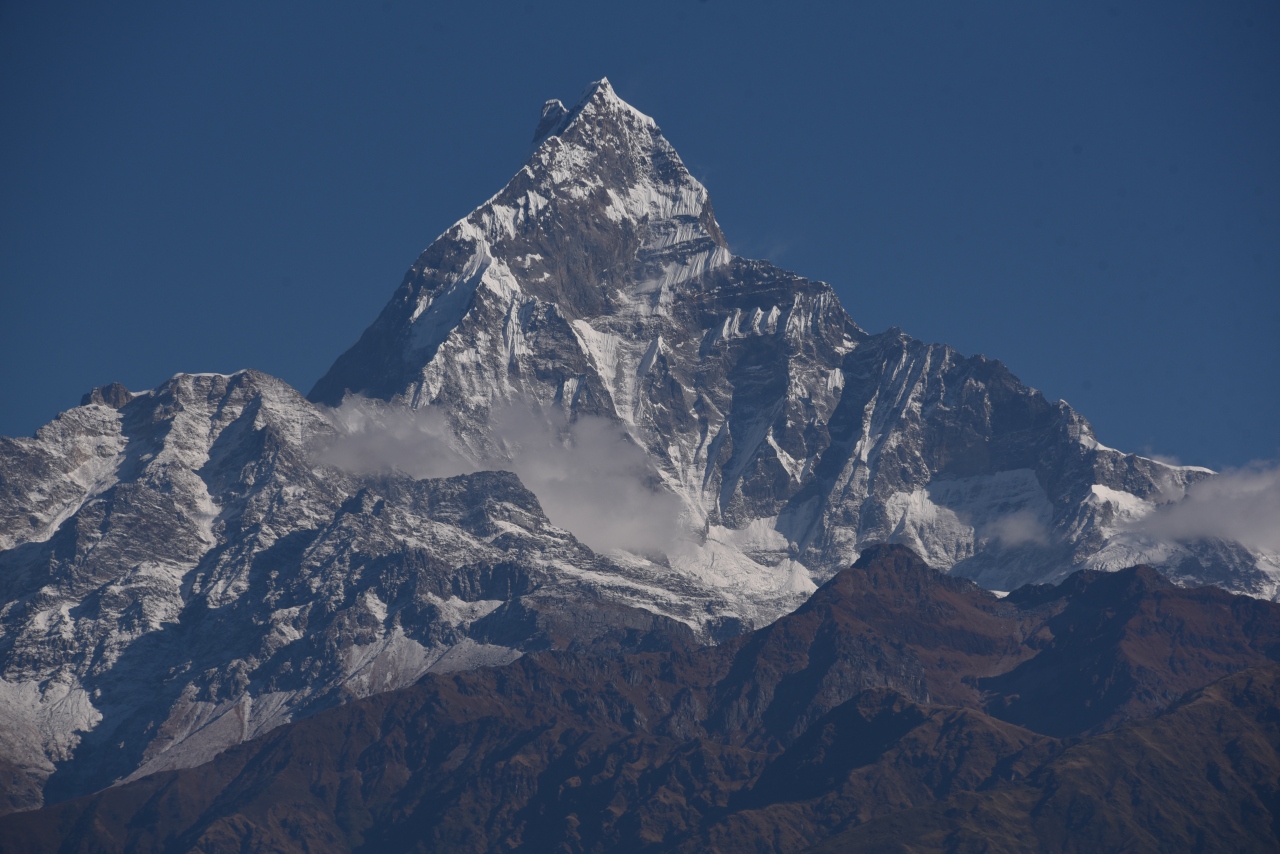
(54,713)
(1127,507)
(604,349)
(468,655)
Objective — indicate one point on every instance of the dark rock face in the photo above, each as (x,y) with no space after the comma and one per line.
(113,395)
(883,694)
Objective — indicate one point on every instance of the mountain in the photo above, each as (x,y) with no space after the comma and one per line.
(185,576)
(186,568)
(1130,790)
(598,283)
(881,709)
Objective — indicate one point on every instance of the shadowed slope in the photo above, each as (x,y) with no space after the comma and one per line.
(1203,776)
(825,720)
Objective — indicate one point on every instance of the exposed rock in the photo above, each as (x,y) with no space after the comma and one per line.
(113,395)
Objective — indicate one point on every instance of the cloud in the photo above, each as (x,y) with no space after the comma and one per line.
(589,476)
(1241,505)
(1167,459)
(592,479)
(376,437)
(1017,528)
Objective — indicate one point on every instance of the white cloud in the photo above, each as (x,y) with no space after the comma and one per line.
(377,437)
(591,479)
(1241,505)
(1167,459)
(1017,528)
(589,476)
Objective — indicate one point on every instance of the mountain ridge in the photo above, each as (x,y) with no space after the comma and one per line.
(846,714)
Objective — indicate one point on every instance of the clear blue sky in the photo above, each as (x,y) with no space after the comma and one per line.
(1089,192)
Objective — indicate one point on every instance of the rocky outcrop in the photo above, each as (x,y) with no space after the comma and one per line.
(114,395)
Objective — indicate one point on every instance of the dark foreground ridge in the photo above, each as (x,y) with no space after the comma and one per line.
(898,709)
(1203,776)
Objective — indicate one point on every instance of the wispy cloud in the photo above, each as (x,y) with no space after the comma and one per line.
(1241,505)
(589,476)
(375,437)
(1016,529)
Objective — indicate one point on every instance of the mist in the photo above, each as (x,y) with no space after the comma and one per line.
(589,476)
(376,438)
(1017,528)
(1242,504)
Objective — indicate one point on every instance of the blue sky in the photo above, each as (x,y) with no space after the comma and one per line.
(1089,192)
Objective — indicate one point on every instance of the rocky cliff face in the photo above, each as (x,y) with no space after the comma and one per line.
(184,568)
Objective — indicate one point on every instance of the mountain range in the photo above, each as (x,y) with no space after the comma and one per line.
(1125,714)
(585,443)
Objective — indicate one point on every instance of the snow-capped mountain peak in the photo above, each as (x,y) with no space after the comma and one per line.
(602,220)
(598,102)
(184,568)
